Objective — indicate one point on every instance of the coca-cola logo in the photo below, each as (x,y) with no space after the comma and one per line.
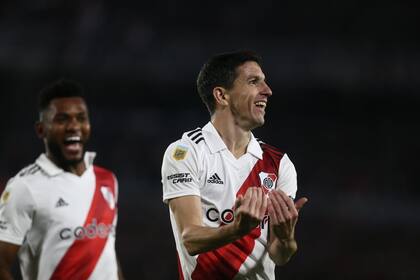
(227,216)
(90,231)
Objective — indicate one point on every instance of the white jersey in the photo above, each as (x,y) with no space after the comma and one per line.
(65,224)
(200,164)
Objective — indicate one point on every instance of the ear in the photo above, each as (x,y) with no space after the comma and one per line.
(220,96)
(40,129)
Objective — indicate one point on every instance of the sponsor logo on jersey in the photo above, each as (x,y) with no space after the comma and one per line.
(215,179)
(3,225)
(90,231)
(227,216)
(268,180)
(180,178)
(108,196)
(5,197)
(61,202)
(180,153)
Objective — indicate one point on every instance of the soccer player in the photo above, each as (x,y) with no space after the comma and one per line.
(230,195)
(59,214)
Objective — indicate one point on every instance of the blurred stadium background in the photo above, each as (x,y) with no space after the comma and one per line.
(345,108)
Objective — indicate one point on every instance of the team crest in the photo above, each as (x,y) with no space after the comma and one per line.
(108,196)
(180,153)
(268,180)
(5,197)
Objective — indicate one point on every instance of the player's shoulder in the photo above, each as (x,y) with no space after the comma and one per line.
(27,176)
(194,137)
(102,170)
(190,146)
(31,170)
(270,148)
(191,139)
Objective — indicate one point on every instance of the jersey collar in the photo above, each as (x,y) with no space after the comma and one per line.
(53,170)
(216,144)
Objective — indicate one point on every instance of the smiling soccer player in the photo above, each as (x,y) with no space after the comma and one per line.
(59,214)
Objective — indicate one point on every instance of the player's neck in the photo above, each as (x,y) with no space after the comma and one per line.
(235,138)
(77,168)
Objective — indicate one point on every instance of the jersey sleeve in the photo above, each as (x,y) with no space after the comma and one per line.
(287,181)
(116,189)
(17,208)
(116,193)
(180,172)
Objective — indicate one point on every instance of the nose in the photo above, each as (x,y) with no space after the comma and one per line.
(73,124)
(266,90)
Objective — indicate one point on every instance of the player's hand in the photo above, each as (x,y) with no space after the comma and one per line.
(283,214)
(250,210)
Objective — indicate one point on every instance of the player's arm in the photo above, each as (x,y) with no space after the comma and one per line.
(198,238)
(8,254)
(16,211)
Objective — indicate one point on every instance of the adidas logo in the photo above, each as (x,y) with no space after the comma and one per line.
(215,179)
(61,202)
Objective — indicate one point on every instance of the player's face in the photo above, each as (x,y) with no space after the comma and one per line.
(66,130)
(249,96)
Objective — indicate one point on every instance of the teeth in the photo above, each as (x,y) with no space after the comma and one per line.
(261,103)
(73,138)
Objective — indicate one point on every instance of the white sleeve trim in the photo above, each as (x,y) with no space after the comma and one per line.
(168,197)
(11,239)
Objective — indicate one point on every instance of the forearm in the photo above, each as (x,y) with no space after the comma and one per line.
(280,251)
(7,256)
(200,239)
(5,274)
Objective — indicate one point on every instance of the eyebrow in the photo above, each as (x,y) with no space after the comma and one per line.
(254,76)
(67,114)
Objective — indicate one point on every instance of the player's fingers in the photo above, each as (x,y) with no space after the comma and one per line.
(258,196)
(263,207)
(238,201)
(246,199)
(299,204)
(283,206)
(253,200)
(290,205)
(248,193)
(274,220)
(277,207)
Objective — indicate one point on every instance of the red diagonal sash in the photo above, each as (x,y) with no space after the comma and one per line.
(82,256)
(224,262)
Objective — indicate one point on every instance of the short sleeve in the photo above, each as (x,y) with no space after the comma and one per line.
(116,193)
(116,189)
(16,212)
(287,181)
(180,171)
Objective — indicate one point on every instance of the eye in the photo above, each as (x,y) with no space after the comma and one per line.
(81,118)
(253,81)
(60,118)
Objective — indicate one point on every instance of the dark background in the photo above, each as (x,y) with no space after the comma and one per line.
(345,108)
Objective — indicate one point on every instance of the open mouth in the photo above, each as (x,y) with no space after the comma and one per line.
(73,143)
(261,104)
